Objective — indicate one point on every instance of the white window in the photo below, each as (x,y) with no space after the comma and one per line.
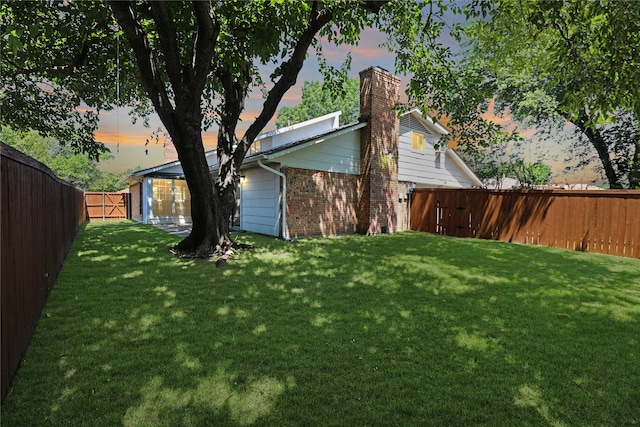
(255,147)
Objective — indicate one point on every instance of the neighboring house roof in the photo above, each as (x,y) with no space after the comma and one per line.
(503,184)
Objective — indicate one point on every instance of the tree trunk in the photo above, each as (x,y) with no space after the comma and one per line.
(204,236)
(634,172)
(212,200)
(598,142)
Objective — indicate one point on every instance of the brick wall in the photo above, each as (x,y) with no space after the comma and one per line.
(136,201)
(170,153)
(320,203)
(378,196)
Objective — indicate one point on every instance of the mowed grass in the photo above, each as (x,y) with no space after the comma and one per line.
(403,329)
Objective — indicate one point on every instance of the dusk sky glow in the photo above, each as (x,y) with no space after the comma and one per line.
(127,141)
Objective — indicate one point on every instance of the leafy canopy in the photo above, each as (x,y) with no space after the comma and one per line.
(62,57)
(555,61)
(318,100)
(77,169)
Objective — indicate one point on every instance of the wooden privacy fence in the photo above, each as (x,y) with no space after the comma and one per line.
(107,206)
(592,221)
(40,216)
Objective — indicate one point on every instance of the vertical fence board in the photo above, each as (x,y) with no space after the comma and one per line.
(572,221)
(633,234)
(40,215)
(592,221)
(616,215)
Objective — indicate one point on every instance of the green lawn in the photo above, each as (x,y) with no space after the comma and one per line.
(403,329)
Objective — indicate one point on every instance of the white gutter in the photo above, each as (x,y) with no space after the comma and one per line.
(284,198)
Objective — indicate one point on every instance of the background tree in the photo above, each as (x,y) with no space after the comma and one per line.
(109,181)
(194,64)
(45,48)
(77,169)
(530,175)
(492,171)
(318,100)
(549,62)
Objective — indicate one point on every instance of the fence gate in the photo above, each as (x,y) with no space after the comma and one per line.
(107,206)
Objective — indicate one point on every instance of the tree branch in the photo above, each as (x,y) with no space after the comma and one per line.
(290,70)
(65,68)
(161,13)
(205,43)
(149,74)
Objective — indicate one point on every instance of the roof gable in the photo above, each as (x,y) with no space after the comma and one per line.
(426,121)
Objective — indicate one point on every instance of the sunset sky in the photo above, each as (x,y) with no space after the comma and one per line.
(127,141)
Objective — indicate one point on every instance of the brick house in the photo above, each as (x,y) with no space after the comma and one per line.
(319,178)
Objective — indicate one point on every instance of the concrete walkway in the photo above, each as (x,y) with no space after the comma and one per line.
(184,230)
(178,230)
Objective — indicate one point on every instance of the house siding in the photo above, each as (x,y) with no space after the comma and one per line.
(320,203)
(339,154)
(259,202)
(426,168)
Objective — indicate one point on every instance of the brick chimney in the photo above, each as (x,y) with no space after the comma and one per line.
(170,153)
(378,189)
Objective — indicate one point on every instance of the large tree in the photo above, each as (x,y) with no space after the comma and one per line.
(193,63)
(319,99)
(567,61)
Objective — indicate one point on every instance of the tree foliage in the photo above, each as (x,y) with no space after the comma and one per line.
(318,100)
(194,64)
(530,175)
(573,61)
(492,171)
(77,169)
(45,45)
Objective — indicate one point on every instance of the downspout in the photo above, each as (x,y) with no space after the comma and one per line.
(284,199)
(410,193)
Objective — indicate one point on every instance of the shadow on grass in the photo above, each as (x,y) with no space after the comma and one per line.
(400,329)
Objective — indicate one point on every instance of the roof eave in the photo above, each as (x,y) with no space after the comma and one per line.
(314,141)
(428,121)
(465,168)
